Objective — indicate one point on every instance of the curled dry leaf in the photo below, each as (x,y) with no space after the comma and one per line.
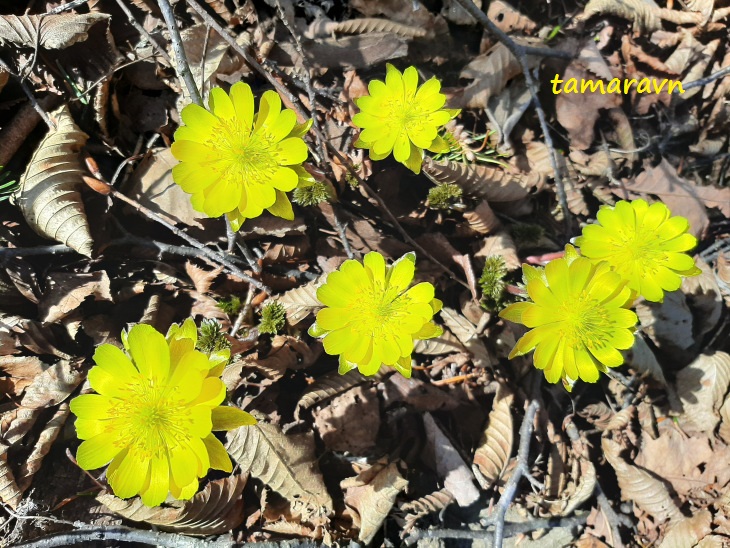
(418,395)
(424,506)
(689,531)
(65,292)
(495,447)
(331,385)
(482,218)
(642,358)
(668,324)
(47,31)
(704,298)
(287,464)
(701,387)
(350,421)
(301,301)
(724,430)
(508,18)
(216,509)
(639,486)
(42,446)
(495,184)
(321,27)
(20,371)
(10,494)
(372,497)
(467,333)
(645,15)
(445,344)
(48,195)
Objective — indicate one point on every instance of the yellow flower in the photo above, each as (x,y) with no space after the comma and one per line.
(372,317)
(644,244)
(579,318)
(238,163)
(400,117)
(153,416)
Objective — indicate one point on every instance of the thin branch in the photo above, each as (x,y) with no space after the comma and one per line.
(42,113)
(168,540)
(143,32)
(39,518)
(510,489)
(521,52)
(10,252)
(342,231)
(711,78)
(183,68)
(67,6)
(243,312)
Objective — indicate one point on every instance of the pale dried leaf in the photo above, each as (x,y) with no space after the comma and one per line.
(724,429)
(490,73)
(688,531)
(712,541)
(500,244)
(445,344)
(350,421)
(454,13)
(287,353)
(637,485)
(47,31)
(508,18)
(216,509)
(482,218)
(10,494)
(48,195)
(418,395)
(66,292)
(52,386)
(456,474)
(704,298)
(643,13)
(32,462)
(495,447)
(321,27)
(701,387)
(301,301)
(424,506)
(467,333)
(373,500)
(668,324)
(642,358)
(204,57)
(21,371)
(331,385)
(494,184)
(287,464)
(202,279)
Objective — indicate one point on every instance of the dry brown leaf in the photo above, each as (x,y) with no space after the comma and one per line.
(445,344)
(451,468)
(320,28)
(642,358)
(32,463)
(395,10)
(640,487)
(704,298)
(331,385)
(508,18)
(47,31)
(500,244)
(372,497)
(301,301)
(288,353)
(724,429)
(216,509)
(350,421)
(680,195)
(482,218)
(495,447)
(579,112)
(10,494)
(429,504)
(48,195)
(52,386)
(643,13)
(203,55)
(712,541)
(287,464)
(202,279)
(494,184)
(419,395)
(21,371)
(668,324)
(454,13)
(688,531)
(701,387)
(490,73)
(467,333)
(65,292)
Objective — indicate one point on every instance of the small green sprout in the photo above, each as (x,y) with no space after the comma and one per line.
(492,282)
(444,196)
(311,195)
(211,337)
(273,318)
(231,305)
(6,187)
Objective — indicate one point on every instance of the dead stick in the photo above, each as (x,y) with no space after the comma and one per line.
(183,68)
(41,112)
(521,52)
(143,32)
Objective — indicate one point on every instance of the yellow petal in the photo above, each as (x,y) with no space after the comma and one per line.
(333,318)
(513,312)
(403,366)
(402,147)
(285,179)
(92,406)
(401,274)
(291,151)
(338,341)
(98,451)
(269,110)
(217,454)
(222,196)
(198,118)
(192,177)
(212,393)
(607,355)
(375,263)
(149,351)
(586,366)
(158,485)
(88,428)
(183,465)
(243,103)
(130,475)
(229,418)
(221,105)
(109,384)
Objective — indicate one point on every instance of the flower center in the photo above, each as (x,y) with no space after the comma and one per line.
(378,310)
(583,321)
(637,251)
(243,155)
(151,419)
(405,113)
